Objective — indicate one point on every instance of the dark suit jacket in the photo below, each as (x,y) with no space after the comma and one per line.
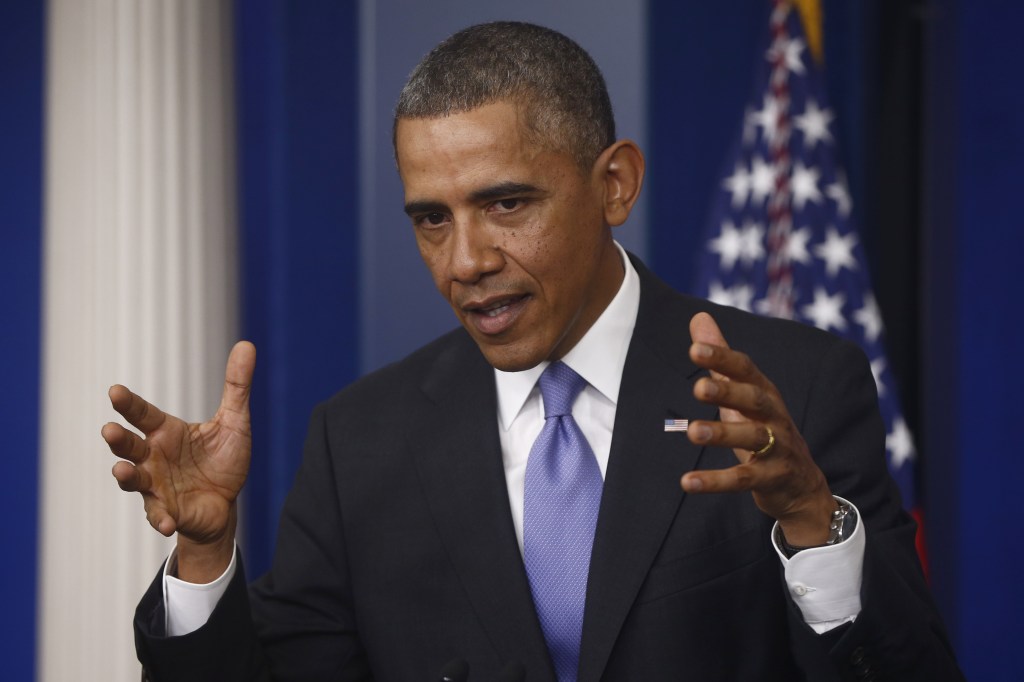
(396,551)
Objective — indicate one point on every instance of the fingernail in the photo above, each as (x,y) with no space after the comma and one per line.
(710,388)
(702,433)
(703,351)
(692,484)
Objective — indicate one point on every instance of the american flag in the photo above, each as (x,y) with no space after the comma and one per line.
(676,425)
(781,241)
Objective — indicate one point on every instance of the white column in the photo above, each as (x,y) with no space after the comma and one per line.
(139,288)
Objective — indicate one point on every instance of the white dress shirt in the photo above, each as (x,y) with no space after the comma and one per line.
(823,581)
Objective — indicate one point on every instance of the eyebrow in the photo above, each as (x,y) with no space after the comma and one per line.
(423,207)
(503,190)
(500,191)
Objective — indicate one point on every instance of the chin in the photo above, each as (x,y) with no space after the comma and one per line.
(510,359)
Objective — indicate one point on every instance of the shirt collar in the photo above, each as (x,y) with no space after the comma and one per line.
(599,357)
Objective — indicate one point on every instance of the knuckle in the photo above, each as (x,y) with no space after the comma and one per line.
(744,364)
(744,476)
(762,401)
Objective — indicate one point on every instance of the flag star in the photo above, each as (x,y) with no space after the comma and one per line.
(762,181)
(838,193)
(837,251)
(804,185)
(826,311)
(877,367)
(814,124)
(796,246)
(752,243)
(793,55)
(738,296)
(790,51)
(719,294)
(728,245)
(870,318)
(767,118)
(900,443)
(738,185)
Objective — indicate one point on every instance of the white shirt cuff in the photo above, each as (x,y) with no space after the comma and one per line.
(825,581)
(187,605)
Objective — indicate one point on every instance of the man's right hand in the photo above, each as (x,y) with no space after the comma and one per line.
(189,475)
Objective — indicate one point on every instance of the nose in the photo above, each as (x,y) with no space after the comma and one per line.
(473,252)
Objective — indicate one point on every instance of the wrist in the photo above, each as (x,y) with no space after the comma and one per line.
(203,562)
(812,526)
(843,523)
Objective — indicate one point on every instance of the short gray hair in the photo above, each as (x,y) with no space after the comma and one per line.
(562,91)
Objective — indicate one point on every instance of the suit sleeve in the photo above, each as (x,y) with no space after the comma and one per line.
(303,608)
(296,622)
(898,634)
(224,649)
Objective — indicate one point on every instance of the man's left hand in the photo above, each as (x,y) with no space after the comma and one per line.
(784,479)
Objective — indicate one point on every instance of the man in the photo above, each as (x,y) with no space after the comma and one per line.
(491,527)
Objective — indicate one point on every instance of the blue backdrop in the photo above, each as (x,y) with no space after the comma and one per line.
(299,203)
(21,156)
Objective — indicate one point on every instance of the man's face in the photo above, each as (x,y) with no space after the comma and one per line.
(514,233)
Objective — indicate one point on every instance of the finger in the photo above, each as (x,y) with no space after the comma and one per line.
(134,479)
(158,517)
(727,363)
(139,413)
(238,377)
(131,479)
(704,331)
(745,437)
(739,478)
(752,400)
(124,443)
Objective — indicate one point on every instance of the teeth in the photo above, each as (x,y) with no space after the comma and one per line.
(496,308)
(494,312)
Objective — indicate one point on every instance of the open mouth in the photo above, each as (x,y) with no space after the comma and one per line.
(499,307)
(495,317)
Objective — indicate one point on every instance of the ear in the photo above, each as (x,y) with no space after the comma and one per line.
(620,169)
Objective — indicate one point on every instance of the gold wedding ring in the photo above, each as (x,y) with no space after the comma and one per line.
(768,446)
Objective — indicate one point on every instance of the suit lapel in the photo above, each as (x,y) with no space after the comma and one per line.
(458,458)
(641,493)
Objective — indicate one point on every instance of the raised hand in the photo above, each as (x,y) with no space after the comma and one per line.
(774,461)
(189,475)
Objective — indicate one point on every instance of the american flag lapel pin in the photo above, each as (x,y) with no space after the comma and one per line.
(672,425)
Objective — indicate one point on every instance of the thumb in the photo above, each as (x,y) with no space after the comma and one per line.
(238,377)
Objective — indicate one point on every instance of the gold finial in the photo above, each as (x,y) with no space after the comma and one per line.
(810,14)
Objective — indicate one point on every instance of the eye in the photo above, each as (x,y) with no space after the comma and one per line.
(430,220)
(507,205)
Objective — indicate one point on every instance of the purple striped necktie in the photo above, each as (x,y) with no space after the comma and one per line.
(561,501)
